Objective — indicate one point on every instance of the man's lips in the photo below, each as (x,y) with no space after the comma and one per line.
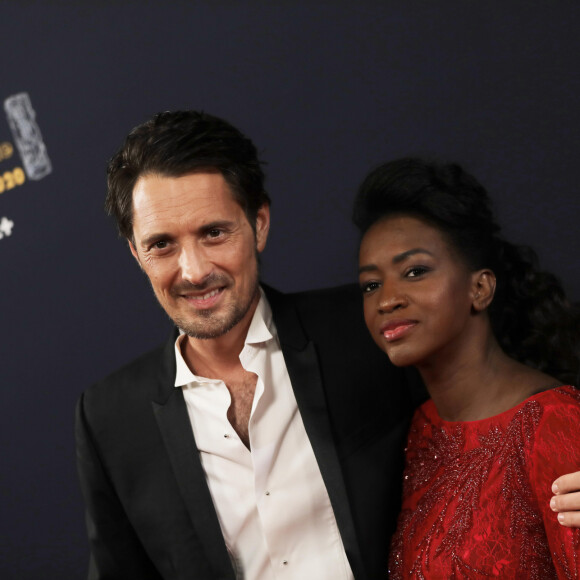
(206,295)
(207,299)
(395,329)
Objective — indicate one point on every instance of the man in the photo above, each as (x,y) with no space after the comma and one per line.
(566,500)
(265,439)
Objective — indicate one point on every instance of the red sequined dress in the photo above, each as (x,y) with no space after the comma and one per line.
(476,494)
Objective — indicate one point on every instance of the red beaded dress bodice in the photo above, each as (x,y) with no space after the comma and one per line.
(476,494)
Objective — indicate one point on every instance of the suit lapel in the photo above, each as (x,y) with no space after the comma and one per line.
(173,420)
(171,414)
(302,363)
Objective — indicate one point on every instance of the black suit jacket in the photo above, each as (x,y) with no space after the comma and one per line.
(149,511)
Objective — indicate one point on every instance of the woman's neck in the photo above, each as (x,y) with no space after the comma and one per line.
(483,382)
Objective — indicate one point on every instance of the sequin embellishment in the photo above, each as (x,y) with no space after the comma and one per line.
(469,508)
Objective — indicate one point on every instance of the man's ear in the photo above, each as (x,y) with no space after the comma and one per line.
(134,252)
(483,289)
(262,226)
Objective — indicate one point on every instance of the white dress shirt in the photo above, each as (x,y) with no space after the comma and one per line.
(273,508)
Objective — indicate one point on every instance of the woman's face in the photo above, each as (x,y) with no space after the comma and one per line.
(417,292)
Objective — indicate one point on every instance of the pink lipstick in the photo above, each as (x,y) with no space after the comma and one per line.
(396,329)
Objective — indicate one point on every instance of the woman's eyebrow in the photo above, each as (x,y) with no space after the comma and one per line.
(402,256)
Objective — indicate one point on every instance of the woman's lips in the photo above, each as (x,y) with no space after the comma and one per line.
(396,329)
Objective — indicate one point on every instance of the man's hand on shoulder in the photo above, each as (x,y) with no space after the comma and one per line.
(566,500)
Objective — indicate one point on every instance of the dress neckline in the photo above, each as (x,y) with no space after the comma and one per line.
(430,411)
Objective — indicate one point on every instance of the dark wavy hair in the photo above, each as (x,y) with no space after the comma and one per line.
(530,315)
(176,143)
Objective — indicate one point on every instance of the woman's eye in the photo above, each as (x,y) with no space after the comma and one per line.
(416,271)
(369,287)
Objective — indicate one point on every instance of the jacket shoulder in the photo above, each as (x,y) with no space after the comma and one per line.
(334,313)
(139,376)
(323,304)
(333,319)
(341,299)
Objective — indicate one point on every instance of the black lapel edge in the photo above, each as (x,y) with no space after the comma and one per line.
(301,360)
(177,434)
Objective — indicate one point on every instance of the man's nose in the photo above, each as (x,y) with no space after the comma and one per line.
(194,264)
(391,298)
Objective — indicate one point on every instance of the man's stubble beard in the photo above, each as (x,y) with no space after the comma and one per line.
(215,325)
(207,324)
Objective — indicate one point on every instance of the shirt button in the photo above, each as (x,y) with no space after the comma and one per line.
(267,493)
(227,435)
(284,562)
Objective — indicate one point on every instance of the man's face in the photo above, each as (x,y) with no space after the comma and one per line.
(194,242)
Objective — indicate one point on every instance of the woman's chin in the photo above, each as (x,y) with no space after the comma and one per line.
(401,356)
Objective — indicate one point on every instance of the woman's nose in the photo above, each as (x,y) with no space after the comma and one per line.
(391,299)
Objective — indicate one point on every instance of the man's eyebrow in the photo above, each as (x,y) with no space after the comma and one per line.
(151,239)
(404,255)
(217,224)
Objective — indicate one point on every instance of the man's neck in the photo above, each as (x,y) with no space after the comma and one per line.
(219,358)
(219,355)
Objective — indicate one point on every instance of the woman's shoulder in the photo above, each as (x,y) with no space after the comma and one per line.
(553,438)
(549,410)
(554,431)
(559,412)
(557,397)
(559,400)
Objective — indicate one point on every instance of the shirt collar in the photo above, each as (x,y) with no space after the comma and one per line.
(261,330)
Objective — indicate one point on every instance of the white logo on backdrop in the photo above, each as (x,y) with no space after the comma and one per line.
(27,136)
(6,226)
(30,145)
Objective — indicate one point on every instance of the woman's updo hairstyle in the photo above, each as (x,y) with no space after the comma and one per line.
(530,315)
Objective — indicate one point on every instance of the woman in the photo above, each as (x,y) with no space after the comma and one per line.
(496,343)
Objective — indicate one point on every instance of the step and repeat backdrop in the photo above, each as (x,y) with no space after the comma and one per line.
(327,90)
